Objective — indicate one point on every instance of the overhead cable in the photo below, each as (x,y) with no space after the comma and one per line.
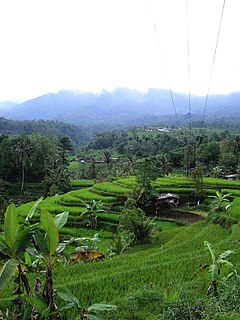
(213,61)
(163,61)
(188,68)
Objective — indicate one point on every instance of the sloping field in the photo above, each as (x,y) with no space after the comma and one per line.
(159,269)
(114,194)
(146,281)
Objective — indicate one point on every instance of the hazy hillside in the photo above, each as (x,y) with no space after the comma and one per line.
(45,127)
(120,106)
(7,105)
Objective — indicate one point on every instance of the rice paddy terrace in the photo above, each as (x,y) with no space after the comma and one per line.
(155,281)
(114,194)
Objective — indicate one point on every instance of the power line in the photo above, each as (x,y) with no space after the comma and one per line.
(188,68)
(163,61)
(213,61)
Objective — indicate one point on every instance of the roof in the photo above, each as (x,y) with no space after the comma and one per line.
(234,175)
(164,196)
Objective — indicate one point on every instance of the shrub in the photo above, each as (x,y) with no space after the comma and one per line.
(135,223)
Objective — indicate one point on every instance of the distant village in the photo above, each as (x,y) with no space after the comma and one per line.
(155,129)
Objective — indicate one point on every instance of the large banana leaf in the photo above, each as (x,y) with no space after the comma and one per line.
(213,272)
(208,246)
(8,271)
(37,302)
(4,248)
(70,298)
(49,226)
(33,209)
(41,243)
(61,219)
(101,307)
(225,254)
(10,225)
(22,238)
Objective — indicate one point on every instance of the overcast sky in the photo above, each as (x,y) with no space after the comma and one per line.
(94,45)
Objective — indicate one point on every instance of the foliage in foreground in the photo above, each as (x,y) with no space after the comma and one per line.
(37,246)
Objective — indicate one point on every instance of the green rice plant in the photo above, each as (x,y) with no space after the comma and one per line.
(127,182)
(70,199)
(82,183)
(234,209)
(86,195)
(233,192)
(175,190)
(115,280)
(110,188)
(216,182)
(172,181)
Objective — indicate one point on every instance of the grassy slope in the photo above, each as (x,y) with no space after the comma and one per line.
(169,263)
(166,265)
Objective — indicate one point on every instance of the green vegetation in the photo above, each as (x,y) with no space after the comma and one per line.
(154,264)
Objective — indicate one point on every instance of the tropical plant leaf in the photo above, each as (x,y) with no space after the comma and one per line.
(45,313)
(27,257)
(61,219)
(69,297)
(93,317)
(101,307)
(41,242)
(33,252)
(226,262)
(208,246)
(10,225)
(8,271)
(213,272)
(22,237)
(49,226)
(225,254)
(4,248)
(33,209)
(69,305)
(37,303)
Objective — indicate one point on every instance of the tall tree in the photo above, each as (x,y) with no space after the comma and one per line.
(197,177)
(65,146)
(22,149)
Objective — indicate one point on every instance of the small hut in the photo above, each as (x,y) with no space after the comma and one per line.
(234,176)
(167,199)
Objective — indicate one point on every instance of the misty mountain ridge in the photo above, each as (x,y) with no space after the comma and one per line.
(118,106)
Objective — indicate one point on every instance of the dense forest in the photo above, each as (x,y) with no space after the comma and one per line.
(147,153)
(46,127)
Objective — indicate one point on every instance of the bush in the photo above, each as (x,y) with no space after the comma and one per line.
(185,310)
(135,223)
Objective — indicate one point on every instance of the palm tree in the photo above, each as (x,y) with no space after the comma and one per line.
(216,171)
(107,159)
(165,163)
(22,149)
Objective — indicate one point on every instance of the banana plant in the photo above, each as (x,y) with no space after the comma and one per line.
(118,245)
(90,313)
(214,269)
(46,248)
(13,243)
(219,201)
(91,209)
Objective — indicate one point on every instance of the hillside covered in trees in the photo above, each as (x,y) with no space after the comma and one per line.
(123,107)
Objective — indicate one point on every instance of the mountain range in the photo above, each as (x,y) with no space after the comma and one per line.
(122,105)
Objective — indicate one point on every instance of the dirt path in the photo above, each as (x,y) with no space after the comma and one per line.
(183,217)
